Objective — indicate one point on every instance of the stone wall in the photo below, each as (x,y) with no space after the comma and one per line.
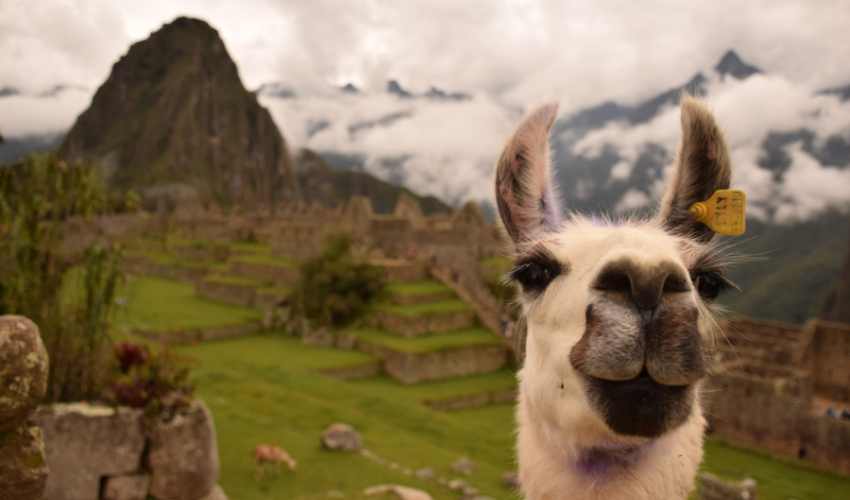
(411,368)
(412,326)
(830,359)
(104,453)
(195,335)
(23,383)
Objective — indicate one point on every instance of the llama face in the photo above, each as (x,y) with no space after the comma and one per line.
(617,312)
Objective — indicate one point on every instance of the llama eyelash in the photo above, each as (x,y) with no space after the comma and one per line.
(536,270)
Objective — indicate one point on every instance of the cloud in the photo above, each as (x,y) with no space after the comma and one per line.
(451,146)
(748,111)
(28,115)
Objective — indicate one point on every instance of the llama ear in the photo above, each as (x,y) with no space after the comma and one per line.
(702,167)
(526,197)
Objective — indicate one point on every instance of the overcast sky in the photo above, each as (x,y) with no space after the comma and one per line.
(510,55)
(524,50)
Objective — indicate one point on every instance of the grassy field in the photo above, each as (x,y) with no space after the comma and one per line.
(441,307)
(417,288)
(163,305)
(428,343)
(268,389)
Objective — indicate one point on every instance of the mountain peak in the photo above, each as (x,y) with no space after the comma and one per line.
(174,111)
(731,64)
(349,88)
(395,88)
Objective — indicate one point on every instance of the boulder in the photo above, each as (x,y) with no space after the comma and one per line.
(425,473)
(216,494)
(464,466)
(183,457)
(23,471)
(23,370)
(400,492)
(341,437)
(87,442)
(134,487)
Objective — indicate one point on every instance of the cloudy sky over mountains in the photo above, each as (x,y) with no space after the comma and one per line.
(509,55)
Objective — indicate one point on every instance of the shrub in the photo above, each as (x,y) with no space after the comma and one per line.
(156,382)
(335,288)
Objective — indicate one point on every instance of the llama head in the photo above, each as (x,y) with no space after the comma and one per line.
(618,313)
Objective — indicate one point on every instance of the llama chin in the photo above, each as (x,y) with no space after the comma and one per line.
(619,324)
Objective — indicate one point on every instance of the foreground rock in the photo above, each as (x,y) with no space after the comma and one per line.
(23,471)
(133,487)
(341,437)
(400,492)
(183,456)
(23,370)
(23,383)
(88,442)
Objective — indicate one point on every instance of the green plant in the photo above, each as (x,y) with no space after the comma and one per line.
(335,288)
(158,382)
(68,293)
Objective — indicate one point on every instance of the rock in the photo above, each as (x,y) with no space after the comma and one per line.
(510,480)
(216,494)
(86,442)
(341,437)
(183,457)
(457,485)
(470,491)
(23,471)
(425,473)
(23,370)
(134,487)
(464,466)
(400,492)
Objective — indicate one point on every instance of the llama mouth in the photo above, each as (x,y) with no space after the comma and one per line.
(640,406)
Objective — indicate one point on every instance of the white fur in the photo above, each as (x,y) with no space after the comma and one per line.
(556,421)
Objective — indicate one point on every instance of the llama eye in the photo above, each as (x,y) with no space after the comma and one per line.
(535,274)
(710,284)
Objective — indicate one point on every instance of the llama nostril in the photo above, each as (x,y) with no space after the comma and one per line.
(588,313)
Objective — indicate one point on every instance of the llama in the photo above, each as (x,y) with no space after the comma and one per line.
(619,323)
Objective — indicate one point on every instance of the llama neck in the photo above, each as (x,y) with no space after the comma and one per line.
(661,469)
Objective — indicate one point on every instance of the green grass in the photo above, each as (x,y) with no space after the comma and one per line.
(428,308)
(250,248)
(164,305)
(267,389)
(428,343)
(471,384)
(265,259)
(777,479)
(418,288)
(226,279)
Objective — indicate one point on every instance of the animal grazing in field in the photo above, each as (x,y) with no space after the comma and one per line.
(619,323)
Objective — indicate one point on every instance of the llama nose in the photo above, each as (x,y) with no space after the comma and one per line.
(645,285)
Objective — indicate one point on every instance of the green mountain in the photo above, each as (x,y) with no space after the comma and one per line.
(321,182)
(174,111)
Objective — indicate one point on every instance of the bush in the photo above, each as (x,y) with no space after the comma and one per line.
(334,289)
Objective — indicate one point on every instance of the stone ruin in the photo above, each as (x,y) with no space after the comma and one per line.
(82,451)
(106,453)
(795,384)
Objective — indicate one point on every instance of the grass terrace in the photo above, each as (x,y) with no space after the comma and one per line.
(417,288)
(429,308)
(428,343)
(165,305)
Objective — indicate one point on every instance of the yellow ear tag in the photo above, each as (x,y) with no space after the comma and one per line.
(724,212)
